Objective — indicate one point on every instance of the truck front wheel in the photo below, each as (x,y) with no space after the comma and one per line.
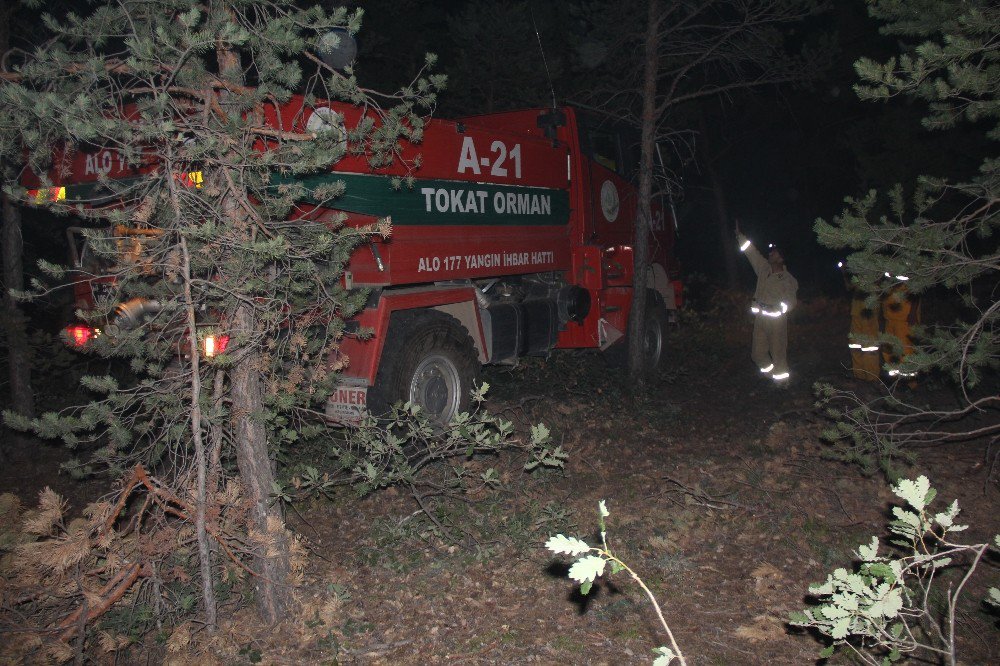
(654,338)
(654,334)
(428,360)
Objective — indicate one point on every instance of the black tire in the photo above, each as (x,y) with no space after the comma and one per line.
(428,359)
(654,337)
(654,344)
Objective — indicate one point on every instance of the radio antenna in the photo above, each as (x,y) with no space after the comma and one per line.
(545,62)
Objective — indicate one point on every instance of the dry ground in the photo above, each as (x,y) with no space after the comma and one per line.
(720,497)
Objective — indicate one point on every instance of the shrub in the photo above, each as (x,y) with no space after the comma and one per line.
(590,564)
(892,606)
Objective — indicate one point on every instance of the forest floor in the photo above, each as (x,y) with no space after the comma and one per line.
(720,495)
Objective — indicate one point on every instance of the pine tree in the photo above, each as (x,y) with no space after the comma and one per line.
(941,236)
(182,93)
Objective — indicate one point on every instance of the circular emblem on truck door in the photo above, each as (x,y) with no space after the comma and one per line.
(609,201)
(325,119)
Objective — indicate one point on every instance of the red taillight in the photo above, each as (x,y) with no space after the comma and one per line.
(214,344)
(80,335)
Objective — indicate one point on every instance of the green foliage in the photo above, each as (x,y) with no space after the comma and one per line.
(148,84)
(435,464)
(885,608)
(399,447)
(943,237)
(855,435)
(938,234)
(56,369)
(590,564)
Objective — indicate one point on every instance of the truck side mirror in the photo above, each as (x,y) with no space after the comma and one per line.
(550,120)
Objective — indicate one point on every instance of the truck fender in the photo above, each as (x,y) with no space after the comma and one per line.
(467,314)
(656,279)
(458,302)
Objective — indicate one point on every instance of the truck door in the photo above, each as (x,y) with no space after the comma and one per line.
(612,205)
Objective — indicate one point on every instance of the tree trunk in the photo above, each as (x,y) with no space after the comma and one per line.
(726,240)
(640,257)
(200,456)
(272,561)
(216,437)
(22,398)
(725,232)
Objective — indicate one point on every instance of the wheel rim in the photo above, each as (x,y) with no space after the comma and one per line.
(436,387)
(652,342)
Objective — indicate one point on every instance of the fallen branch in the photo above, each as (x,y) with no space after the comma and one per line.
(122,581)
(701,498)
(112,592)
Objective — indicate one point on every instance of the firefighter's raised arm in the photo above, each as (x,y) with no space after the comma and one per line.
(757,261)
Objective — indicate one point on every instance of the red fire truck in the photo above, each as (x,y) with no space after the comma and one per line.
(515,239)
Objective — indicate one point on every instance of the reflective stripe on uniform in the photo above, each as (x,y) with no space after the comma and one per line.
(767,310)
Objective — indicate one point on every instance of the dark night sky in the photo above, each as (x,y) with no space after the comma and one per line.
(794,154)
(788,160)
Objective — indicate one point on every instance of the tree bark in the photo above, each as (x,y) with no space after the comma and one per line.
(640,256)
(18,352)
(257,475)
(22,397)
(725,232)
(201,458)
(726,240)
(272,559)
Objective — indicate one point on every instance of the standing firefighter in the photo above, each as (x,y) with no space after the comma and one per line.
(863,336)
(773,299)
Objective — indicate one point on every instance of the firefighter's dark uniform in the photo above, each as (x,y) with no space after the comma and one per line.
(773,299)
